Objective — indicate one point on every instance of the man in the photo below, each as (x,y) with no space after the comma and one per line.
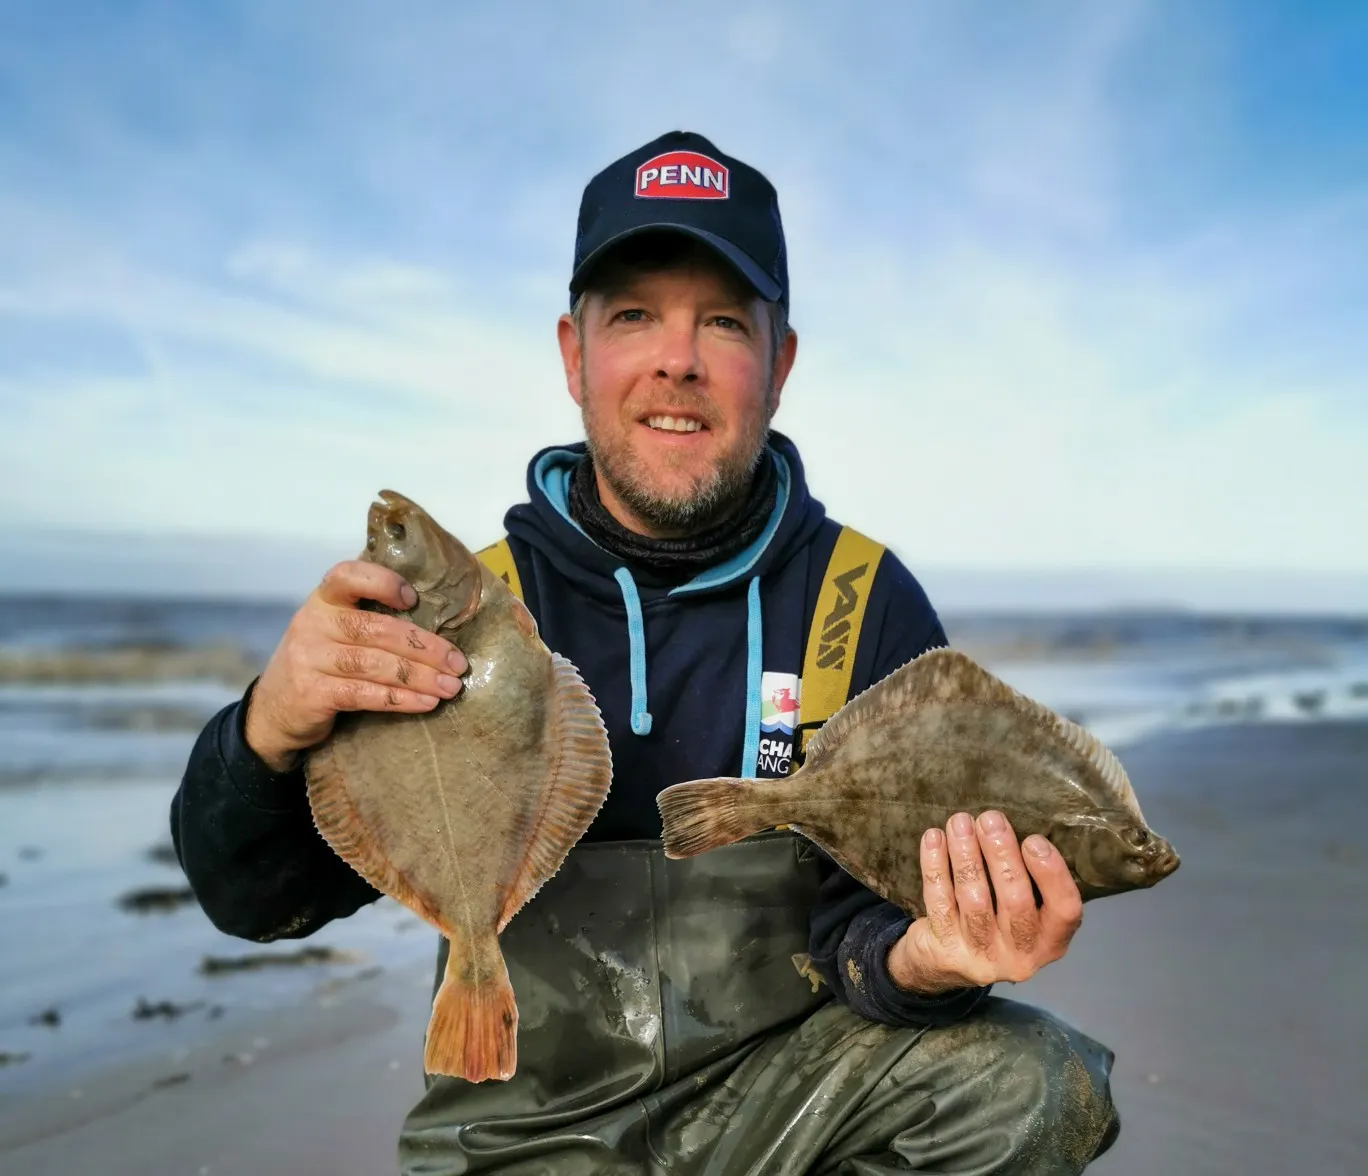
(677,558)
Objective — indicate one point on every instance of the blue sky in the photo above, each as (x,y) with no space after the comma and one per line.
(1077,285)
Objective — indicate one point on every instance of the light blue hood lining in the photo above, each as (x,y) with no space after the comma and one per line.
(552,477)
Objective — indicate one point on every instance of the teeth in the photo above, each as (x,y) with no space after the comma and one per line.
(674,424)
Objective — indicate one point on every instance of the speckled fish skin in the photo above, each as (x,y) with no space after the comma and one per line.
(462,812)
(939,736)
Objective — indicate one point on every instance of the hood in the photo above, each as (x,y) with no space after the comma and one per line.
(544,523)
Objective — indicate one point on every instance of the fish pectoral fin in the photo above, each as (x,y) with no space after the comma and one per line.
(575,793)
(803,963)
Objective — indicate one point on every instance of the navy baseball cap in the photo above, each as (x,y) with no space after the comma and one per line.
(681,183)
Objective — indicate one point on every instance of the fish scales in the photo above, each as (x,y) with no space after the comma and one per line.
(462,813)
(938,736)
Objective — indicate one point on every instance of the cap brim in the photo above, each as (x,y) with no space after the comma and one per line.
(764,285)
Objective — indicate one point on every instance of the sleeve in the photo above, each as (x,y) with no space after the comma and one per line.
(246,840)
(851,929)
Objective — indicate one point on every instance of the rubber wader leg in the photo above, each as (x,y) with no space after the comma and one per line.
(1011,1091)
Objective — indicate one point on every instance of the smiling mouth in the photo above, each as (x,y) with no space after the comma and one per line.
(675,424)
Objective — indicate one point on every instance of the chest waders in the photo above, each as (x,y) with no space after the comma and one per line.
(664,1025)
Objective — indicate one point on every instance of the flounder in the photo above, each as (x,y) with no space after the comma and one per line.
(938,736)
(461,813)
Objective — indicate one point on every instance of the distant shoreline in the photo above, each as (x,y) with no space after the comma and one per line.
(235,648)
(240,568)
(950,612)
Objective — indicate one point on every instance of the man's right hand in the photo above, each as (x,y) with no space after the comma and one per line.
(336,657)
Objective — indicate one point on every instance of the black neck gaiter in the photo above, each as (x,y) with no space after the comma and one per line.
(672,561)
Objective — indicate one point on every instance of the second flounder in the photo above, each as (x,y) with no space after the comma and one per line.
(939,736)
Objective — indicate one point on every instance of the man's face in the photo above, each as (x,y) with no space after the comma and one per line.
(676,386)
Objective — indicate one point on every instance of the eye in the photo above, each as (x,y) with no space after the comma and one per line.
(395,530)
(730,323)
(1138,837)
(370,543)
(627,316)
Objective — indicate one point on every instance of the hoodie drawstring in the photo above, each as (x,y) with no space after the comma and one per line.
(636,640)
(750,754)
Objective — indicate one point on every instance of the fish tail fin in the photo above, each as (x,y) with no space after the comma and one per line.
(707,814)
(473,1030)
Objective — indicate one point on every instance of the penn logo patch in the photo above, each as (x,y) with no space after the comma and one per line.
(682,175)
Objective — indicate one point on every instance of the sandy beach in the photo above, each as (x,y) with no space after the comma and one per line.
(1233,995)
(1236,994)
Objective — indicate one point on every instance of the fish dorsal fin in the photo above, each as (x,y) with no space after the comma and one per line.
(947,675)
(580,776)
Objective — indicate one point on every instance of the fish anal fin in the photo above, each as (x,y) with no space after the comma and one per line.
(910,902)
(580,777)
(947,675)
(340,825)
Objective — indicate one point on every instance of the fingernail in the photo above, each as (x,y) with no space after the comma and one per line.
(992,822)
(448,683)
(457,661)
(1038,846)
(961,825)
(931,838)
(408,595)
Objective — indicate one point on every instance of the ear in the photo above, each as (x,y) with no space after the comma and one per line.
(571,356)
(783,364)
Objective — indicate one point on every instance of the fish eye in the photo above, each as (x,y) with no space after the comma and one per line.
(370,542)
(1138,837)
(394,530)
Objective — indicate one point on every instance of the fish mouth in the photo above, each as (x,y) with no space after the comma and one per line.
(1167,863)
(385,519)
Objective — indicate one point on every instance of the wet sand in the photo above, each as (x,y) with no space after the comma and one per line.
(1235,996)
(311,1090)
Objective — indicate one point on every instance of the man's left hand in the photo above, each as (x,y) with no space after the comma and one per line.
(961,941)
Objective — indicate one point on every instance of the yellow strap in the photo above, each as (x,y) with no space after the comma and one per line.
(498,558)
(832,640)
(835,633)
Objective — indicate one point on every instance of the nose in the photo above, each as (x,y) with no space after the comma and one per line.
(677,359)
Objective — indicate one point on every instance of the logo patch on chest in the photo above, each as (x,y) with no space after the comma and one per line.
(779,709)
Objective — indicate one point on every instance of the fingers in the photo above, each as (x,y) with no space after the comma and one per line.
(1061,909)
(384,648)
(972,894)
(938,887)
(387,669)
(354,694)
(392,635)
(1017,918)
(357,659)
(353,580)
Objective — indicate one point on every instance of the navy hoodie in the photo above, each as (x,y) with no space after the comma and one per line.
(677,672)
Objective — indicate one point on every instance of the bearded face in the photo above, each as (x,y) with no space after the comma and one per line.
(673,370)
